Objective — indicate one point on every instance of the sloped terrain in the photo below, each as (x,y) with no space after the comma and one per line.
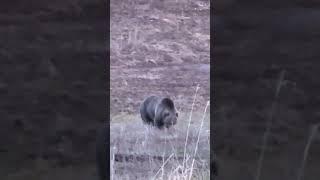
(158,48)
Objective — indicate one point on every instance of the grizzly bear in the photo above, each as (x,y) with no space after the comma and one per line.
(159,112)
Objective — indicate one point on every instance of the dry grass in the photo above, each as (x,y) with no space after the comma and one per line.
(159,32)
(159,35)
(133,138)
(167,154)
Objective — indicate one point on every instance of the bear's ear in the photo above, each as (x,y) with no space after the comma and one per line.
(168,103)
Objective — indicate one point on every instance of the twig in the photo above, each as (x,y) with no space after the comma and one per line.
(163,166)
(196,148)
(190,117)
